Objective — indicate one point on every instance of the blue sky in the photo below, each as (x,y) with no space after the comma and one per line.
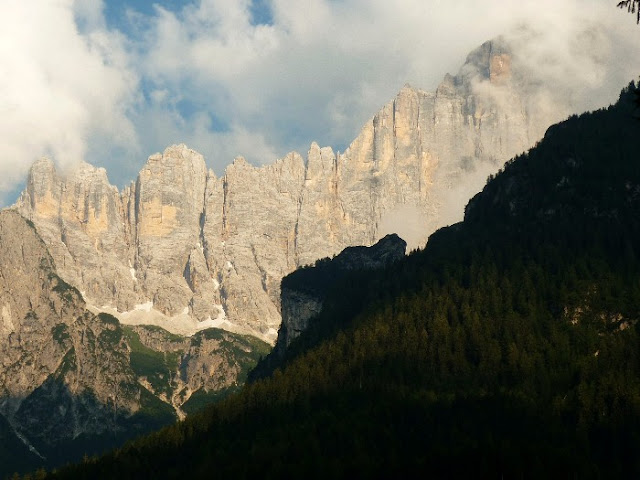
(112,81)
(115,11)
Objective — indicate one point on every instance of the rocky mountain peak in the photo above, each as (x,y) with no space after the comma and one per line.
(320,162)
(500,69)
(304,291)
(185,250)
(491,59)
(240,161)
(42,169)
(170,192)
(387,250)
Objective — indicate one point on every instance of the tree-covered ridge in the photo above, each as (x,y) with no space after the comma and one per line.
(508,346)
(318,279)
(585,167)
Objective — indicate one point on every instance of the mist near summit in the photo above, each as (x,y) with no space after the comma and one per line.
(111,82)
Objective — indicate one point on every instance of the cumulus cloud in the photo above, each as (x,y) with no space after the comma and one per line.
(322,68)
(57,87)
(207,74)
(408,222)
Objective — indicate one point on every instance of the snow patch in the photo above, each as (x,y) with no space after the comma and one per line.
(221,322)
(182,323)
(272,335)
(216,284)
(132,271)
(144,307)
(229,265)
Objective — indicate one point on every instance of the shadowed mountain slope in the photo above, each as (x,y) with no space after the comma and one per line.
(508,346)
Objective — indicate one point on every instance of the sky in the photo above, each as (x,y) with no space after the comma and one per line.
(111,82)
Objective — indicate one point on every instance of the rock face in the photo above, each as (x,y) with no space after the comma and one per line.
(185,372)
(304,293)
(75,382)
(304,290)
(186,250)
(298,309)
(53,348)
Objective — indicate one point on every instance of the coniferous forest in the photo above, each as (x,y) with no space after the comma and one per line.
(508,346)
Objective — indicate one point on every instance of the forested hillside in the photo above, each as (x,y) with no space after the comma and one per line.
(508,346)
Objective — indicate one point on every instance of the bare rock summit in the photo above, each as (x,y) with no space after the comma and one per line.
(185,250)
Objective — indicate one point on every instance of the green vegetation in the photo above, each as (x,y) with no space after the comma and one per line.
(166,335)
(239,345)
(109,319)
(62,288)
(112,334)
(157,367)
(161,368)
(313,280)
(508,347)
(68,364)
(153,414)
(201,399)
(60,333)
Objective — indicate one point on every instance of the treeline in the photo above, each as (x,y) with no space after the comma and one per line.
(509,346)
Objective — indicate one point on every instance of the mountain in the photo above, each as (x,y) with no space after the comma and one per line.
(508,346)
(15,454)
(150,274)
(305,290)
(186,250)
(74,382)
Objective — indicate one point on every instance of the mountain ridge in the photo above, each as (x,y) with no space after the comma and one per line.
(185,250)
(508,346)
(75,382)
(190,252)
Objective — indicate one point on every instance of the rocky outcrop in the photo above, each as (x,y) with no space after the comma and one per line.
(80,217)
(70,376)
(298,309)
(304,290)
(209,362)
(186,250)
(54,352)
(304,293)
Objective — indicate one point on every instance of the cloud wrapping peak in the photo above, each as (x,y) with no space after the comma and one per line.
(73,86)
(57,87)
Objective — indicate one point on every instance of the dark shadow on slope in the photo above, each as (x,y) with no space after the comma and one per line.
(55,421)
(508,347)
(15,454)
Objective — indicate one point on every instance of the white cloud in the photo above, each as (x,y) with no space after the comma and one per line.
(57,87)
(227,87)
(324,67)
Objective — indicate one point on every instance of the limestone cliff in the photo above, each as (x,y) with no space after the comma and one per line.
(186,250)
(52,347)
(303,291)
(75,382)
